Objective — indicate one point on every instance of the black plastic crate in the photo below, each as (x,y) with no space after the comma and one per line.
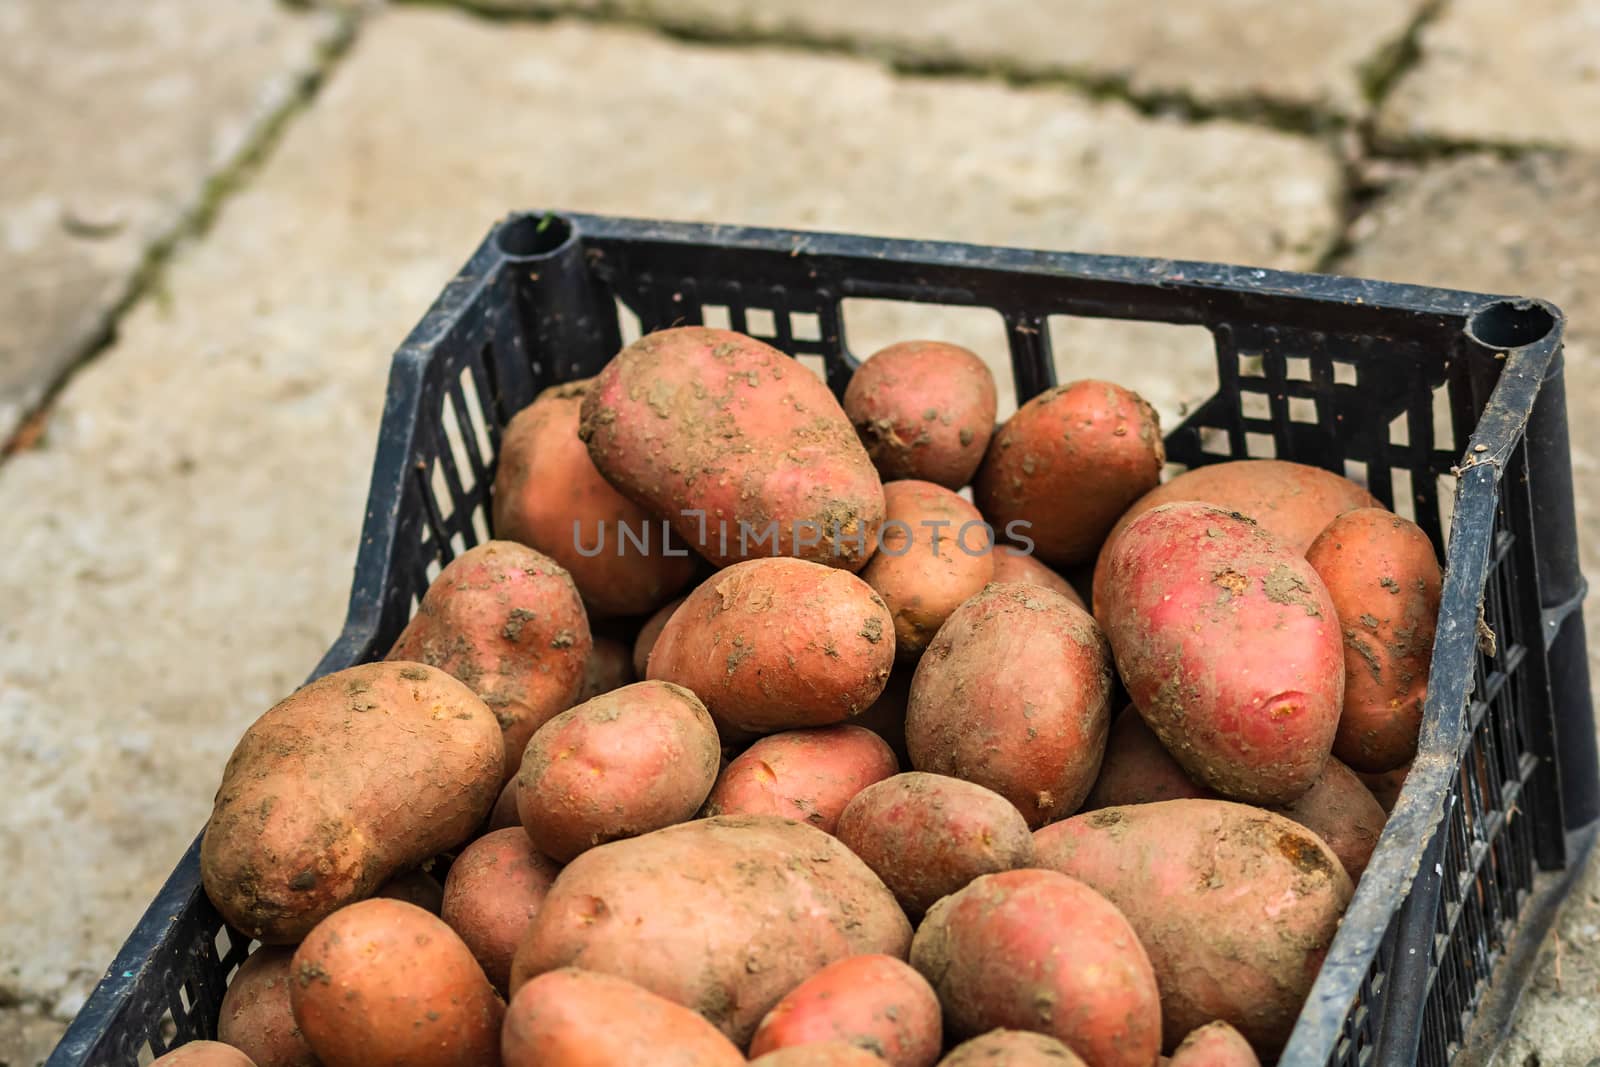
(1453,401)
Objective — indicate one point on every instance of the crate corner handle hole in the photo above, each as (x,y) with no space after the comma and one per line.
(531,236)
(1511,323)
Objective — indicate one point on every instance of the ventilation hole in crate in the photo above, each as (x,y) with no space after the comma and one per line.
(1344,373)
(716,316)
(815,364)
(1302,409)
(458,543)
(1214,441)
(1250,366)
(441,491)
(1173,367)
(480,525)
(1400,430)
(478,413)
(1297,368)
(458,447)
(628,323)
(1447,503)
(186,999)
(222,942)
(1356,471)
(1444,433)
(1260,446)
(869,325)
(760,322)
(1255,405)
(147,1055)
(1405,502)
(805,326)
(432,571)
(1170,471)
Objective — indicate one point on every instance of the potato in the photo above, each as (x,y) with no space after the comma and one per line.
(1013,565)
(382,982)
(1011,1048)
(1229,647)
(1037,950)
(204,1054)
(492,892)
(1343,812)
(924,409)
(1384,579)
(927,835)
(609,666)
(1385,787)
(809,775)
(876,1003)
(1013,694)
(1138,770)
(575,1018)
(722,915)
(1291,501)
(1066,465)
(508,622)
(745,452)
(256,1017)
(627,762)
(357,776)
(1337,807)
(504,813)
(821,1054)
(1235,906)
(934,552)
(776,644)
(648,634)
(1215,1045)
(886,716)
(549,496)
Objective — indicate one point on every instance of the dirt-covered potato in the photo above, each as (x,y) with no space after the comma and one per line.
(609,666)
(359,775)
(648,634)
(809,775)
(820,1054)
(204,1054)
(1011,564)
(1014,695)
(507,621)
(876,1003)
(924,409)
(1214,1045)
(1067,464)
(1012,1048)
(256,1016)
(492,893)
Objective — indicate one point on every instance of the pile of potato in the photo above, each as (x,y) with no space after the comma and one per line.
(841,771)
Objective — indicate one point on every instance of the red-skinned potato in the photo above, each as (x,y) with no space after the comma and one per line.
(256,1016)
(924,409)
(1011,1048)
(609,666)
(876,1003)
(414,887)
(1067,464)
(928,835)
(1235,906)
(1385,787)
(648,635)
(507,621)
(1228,645)
(1384,579)
(205,1054)
(1013,694)
(722,915)
(777,644)
(809,775)
(934,552)
(886,716)
(504,813)
(1214,1045)
(1011,564)
(1291,501)
(627,762)
(821,1054)
(576,1018)
(492,892)
(1037,950)
(1344,813)
(358,775)
(714,423)
(549,496)
(1138,770)
(383,983)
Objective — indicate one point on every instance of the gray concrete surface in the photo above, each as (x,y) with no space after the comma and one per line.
(1315,55)
(1499,73)
(112,118)
(1525,227)
(181,541)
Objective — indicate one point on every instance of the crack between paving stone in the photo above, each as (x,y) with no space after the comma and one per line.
(146,280)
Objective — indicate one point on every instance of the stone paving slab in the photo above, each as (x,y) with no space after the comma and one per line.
(1499,73)
(112,117)
(1525,227)
(180,544)
(1312,55)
